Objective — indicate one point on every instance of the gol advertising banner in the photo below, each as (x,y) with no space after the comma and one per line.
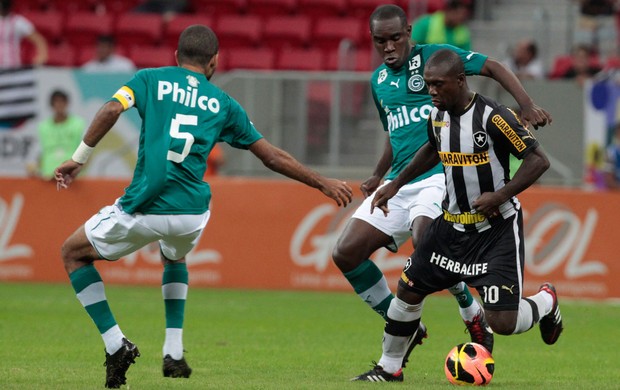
(279,234)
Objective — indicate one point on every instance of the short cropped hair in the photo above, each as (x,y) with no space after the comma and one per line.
(447,58)
(388,11)
(197,45)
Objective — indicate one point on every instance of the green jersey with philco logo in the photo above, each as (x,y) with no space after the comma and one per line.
(402,98)
(183,117)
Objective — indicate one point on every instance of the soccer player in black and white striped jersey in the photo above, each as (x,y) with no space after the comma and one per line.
(479,238)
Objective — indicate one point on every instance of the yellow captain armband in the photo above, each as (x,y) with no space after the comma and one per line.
(125,97)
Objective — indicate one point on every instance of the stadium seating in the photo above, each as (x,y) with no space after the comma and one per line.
(152,56)
(24,6)
(253,34)
(61,55)
(83,28)
(217,7)
(561,64)
(238,31)
(286,31)
(317,9)
(84,55)
(133,29)
(243,58)
(329,32)
(118,7)
(71,6)
(363,8)
(265,8)
(176,25)
(301,59)
(356,60)
(49,24)
(612,62)
(435,5)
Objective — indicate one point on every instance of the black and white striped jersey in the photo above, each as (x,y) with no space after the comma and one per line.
(474,149)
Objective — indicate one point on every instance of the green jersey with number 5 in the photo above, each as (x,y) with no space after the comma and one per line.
(183,117)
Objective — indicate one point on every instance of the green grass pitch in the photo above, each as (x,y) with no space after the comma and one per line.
(281,340)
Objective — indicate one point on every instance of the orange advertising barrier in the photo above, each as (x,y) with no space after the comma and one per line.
(279,234)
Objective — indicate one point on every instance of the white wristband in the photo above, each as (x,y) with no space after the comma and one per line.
(82,153)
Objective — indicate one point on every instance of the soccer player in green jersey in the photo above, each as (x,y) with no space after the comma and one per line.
(183,117)
(404,105)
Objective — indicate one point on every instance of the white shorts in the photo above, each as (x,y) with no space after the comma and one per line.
(422,198)
(114,233)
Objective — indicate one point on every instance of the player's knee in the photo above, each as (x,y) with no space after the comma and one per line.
(65,251)
(70,256)
(501,324)
(341,259)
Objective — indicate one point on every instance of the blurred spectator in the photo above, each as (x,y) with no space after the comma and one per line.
(584,64)
(18,101)
(612,163)
(14,28)
(524,61)
(106,60)
(447,26)
(596,24)
(168,8)
(215,160)
(59,136)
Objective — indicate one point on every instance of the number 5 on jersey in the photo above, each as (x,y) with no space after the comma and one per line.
(175,132)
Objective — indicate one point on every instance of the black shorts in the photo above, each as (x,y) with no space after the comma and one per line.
(491,261)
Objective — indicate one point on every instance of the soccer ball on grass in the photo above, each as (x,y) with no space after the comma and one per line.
(469,364)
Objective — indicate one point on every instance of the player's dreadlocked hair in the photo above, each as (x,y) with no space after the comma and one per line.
(388,11)
(197,45)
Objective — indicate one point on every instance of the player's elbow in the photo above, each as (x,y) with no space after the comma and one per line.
(542,162)
(276,159)
(271,162)
(112,108)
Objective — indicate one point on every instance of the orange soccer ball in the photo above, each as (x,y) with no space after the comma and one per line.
(469,364)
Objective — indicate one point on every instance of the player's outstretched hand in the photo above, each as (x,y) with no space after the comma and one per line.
(370,185)
(535,116)
(382,196)
(338,191)
(66,173)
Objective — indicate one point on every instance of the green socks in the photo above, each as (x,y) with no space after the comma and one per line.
(370,285)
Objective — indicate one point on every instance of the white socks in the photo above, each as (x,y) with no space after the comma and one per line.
(173,345)
(113,339)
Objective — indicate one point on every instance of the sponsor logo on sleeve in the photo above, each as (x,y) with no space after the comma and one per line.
(512,136)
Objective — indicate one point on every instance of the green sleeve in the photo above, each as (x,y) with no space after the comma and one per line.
(382,115)
(239,132)
(472,60)
(138,84)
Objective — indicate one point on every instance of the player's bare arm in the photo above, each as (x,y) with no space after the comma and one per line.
(40,45)
(105,118)
(425,159)
(531,113)
(534,165)
(280,161)
(383,165)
